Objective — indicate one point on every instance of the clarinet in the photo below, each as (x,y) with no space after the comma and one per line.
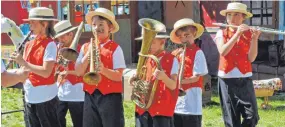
(20,49)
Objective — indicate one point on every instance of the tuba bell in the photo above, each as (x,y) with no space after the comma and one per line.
(143,91)
(93,77)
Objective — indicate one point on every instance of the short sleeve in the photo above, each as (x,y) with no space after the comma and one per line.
(200,64)
(50,52)
(3,67)
(118,58)
(175,65)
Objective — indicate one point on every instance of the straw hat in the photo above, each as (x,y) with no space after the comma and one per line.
(236,7)
(159,35)
(182,23)
(62,28)
(41,13)
(104,13)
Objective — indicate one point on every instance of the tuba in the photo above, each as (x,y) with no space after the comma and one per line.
(143,91)
(67,54)
(93,77)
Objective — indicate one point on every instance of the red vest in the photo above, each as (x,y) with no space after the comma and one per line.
(238,56)
(106,85)
(73,79)
(164,99)
(188,67)
(34,53)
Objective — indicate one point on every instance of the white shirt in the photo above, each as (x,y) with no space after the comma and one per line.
(175,65)
(3,67)
(235,73)
(191,103)
(42,93)
(118,57)
(69,92)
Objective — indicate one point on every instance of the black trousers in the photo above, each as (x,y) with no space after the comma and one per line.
(238,99)
(43,114)
(76,113)
(103,110)
(145,120)
(181,120)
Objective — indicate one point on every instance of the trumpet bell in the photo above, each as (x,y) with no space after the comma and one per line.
(69,54)
(92,78)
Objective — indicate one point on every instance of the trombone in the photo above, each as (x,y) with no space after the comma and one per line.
(70,53)
(67,54)
(262,29)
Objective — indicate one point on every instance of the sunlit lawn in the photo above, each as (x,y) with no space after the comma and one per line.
(275,117)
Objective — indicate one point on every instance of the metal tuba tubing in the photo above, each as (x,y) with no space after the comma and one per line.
(143,92)
(70,53)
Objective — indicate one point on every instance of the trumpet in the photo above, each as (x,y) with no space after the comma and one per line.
(20,48)
(93,77)
(70,53)
(262,29)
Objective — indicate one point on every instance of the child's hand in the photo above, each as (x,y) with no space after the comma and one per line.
(255,33)
(18,58)
(160,75)
(242,28)
(23,74)
(132,79)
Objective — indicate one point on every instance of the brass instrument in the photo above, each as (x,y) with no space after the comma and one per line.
(93,77)
(70,53)
(143,91)
(67,54)
(181,70)
(262,29)
(20,48)
(63,63)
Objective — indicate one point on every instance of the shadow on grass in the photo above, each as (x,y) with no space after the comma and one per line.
(280,108)
(212,103)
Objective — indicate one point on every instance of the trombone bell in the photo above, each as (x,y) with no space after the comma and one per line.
(69,53)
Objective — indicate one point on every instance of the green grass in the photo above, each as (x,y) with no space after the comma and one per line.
(212,116)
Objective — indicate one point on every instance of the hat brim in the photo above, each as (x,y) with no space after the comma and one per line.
(248,14)
(175,39)
(43,19)
(66,31)
(113,21)
(157,36)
